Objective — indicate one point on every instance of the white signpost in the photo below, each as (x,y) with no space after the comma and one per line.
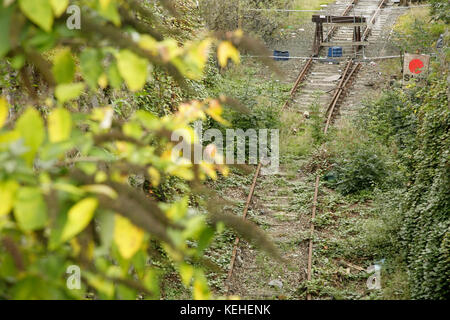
(415,66)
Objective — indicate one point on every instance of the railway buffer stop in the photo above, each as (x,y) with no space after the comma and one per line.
(334,22)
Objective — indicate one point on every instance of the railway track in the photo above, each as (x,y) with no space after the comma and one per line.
(271,200)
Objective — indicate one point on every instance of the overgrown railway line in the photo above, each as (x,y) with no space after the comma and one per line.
(313,75)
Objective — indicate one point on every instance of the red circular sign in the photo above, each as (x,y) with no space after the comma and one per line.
(415,66)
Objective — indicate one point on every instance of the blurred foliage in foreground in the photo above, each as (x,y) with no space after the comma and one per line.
(67,168)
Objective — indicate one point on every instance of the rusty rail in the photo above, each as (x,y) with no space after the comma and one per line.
(300,78)
(343,85)
(373,19)
(346,12)
(350,70)
(311,240)
(244,216)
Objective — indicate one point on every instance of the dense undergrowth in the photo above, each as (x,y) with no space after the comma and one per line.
(395,158)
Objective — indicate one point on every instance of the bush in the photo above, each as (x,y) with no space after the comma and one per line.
(356,170)
(415,124)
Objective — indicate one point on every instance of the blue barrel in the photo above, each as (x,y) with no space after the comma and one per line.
(281,55)
(335,52)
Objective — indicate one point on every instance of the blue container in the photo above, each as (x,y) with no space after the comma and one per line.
(335,52)
(281,55)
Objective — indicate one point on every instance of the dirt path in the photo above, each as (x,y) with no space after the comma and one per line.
(258,276)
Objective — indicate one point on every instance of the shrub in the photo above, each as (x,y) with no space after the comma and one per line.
(356,170)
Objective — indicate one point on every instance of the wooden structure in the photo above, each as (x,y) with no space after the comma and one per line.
(337,21)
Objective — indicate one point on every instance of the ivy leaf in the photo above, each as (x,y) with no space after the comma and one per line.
(127,237)
(5,27)
(78,218)
(91,66)
(59,125)
(4,111)
(59,6)
(133,69)
(30,209)
(38,11)
(7,193)
(64,67)
(31,128)
(227,51)
(69,91)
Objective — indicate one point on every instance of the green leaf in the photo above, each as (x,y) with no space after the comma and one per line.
(30,209)
(106,222)
(108,10)
(69,91)
(59,6)
(33,287)
(64,67)
(78,218)
(18,61)
(5,25)
(133,69)
(38,11)
(59,125)
(104,286)
(7,193)
(31,128)
(91,66)
(4,111)
(114,76)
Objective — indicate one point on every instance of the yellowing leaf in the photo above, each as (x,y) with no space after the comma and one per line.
(182,171)
(103,81)
(200,288)
(101,284)
(215,111)
(59,125)
(155,177)
(31,128)
(38,11)
(148,43)
(127,236)
(193,63)
(30,209)
(133,69)
(78,218)
(186,273)
(104,3)
(66,92)
(7,193)
(100,189)
(59,6)
(227,51)
(4,111)
(178,210)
